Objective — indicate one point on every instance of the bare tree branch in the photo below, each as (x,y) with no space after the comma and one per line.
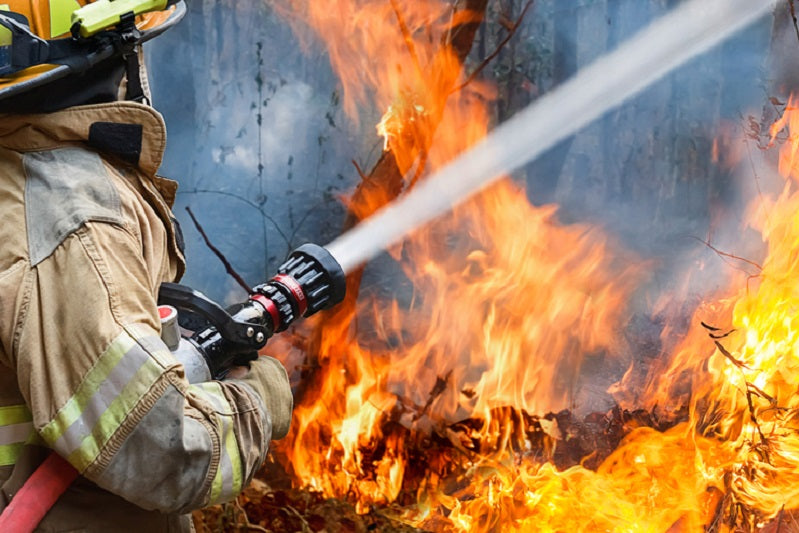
(228,267)
(726,254)
(511,32)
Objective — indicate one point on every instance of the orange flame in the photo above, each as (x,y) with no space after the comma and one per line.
(422,401)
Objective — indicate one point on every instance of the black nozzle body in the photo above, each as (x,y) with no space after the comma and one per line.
(309,281)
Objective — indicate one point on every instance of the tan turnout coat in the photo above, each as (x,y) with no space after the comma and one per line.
(86,237)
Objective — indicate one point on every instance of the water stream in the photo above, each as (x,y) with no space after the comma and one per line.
(685,32)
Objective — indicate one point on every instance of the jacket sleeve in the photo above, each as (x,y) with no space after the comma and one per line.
(108,396)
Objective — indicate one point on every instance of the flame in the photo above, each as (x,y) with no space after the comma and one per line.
(790,152)
(423,404)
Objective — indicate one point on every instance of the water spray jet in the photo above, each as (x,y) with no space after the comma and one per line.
(685,32)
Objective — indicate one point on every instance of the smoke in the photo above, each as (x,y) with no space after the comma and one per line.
(670,170)
(262,149)
(256,140)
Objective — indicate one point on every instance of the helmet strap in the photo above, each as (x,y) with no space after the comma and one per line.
(134,89)
(130,36)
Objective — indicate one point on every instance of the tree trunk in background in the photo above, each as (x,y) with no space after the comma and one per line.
(619,126)
(257,139)
(545,173)
(385,180)
(646,166)
(783,58)
(255,151)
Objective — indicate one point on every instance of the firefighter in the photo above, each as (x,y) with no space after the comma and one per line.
(86,238)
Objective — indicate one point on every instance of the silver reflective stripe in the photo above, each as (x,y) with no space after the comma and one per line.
(16,429)
(15,433)
(110,390)
(98,403)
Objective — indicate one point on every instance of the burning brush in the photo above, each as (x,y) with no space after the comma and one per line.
(443,425)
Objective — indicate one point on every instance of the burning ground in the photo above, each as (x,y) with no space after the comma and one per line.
(510,371)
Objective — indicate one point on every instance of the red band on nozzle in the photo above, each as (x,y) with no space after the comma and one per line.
(296,289)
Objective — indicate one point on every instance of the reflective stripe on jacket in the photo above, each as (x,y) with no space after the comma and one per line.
(16,428)
(86,239)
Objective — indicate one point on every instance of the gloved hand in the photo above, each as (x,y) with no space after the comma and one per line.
(269,380)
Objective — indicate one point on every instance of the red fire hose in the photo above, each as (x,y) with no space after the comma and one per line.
(37,495)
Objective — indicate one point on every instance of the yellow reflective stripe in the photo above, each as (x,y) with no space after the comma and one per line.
(105,397)
(216,487)
(72,410)
(14,414)
(10,453)
(16,429)
(232,449)
(212,392)
(113,417)
(229,477)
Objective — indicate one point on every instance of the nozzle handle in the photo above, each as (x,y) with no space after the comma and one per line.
(249,335)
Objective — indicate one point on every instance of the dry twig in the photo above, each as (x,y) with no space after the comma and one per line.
(714,331)
(751,390)
(753,416)
(726,254)
(771,400)
(249,525)
(359,170)
(737,362)
(438,389)
(228,267)
(511,32)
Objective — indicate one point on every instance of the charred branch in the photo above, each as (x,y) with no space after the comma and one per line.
(385,182)
(407,37)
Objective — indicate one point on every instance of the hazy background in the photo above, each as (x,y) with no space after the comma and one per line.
(262,150)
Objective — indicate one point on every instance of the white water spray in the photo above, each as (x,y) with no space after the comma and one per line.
(670,41)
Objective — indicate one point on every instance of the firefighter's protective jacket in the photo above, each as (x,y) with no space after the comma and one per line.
(86,238)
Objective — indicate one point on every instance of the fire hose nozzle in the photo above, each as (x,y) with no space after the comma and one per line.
(309,281)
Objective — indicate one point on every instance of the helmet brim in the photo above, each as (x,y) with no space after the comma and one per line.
(151,25)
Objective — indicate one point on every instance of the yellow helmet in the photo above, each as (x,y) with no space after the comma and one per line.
(44,40)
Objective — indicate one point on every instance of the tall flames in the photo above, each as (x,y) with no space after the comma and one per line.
(425,404)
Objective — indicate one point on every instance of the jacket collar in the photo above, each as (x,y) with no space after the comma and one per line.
(25,133)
